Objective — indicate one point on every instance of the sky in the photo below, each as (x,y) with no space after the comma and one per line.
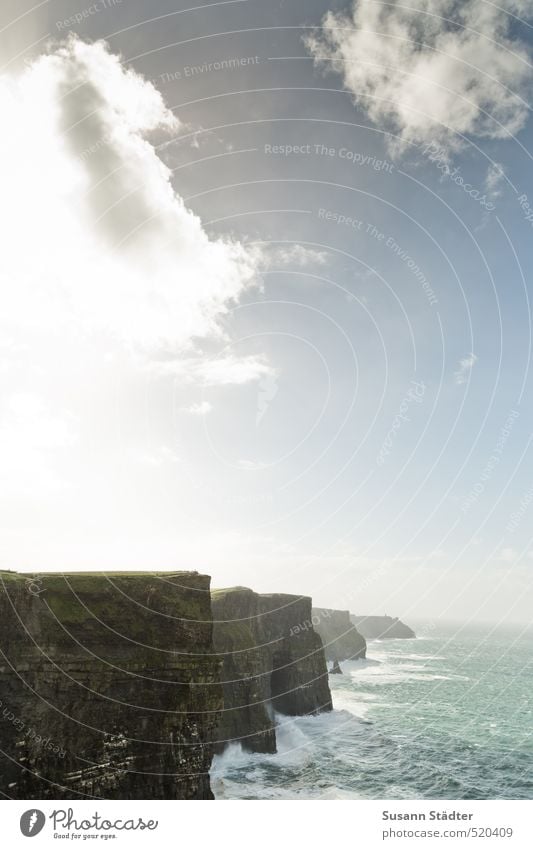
(265,276)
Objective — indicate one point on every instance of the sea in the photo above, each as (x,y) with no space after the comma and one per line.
(445,716)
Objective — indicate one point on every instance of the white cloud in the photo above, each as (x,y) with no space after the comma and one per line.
(267,391)
(94,238)
(32,437)
(296,255)
(161,456)
(201,409)
(233,370)
(218,371)
(465,367)
(252,465)
(494,179)
(104,271)
(424,77)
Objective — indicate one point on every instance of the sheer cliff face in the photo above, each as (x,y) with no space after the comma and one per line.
(109,686)
(342,641)
(272,660)
(383,628)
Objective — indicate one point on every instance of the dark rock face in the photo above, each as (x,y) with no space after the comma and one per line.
(272,660)
(109,686)
(335,669)
(342,641)
(382,628)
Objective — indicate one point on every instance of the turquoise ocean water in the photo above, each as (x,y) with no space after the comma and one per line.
(445,716)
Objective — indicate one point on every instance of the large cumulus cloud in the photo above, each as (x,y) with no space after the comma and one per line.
(431,70)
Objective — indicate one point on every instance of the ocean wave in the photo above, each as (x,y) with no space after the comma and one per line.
(355,703)
(422,657)
(405,726)
(303,743)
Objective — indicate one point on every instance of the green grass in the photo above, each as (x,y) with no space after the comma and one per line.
(219,592)
(8,574)
(104,599)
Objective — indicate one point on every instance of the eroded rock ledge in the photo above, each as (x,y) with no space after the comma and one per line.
(342,641)
(273,660)
(109,685)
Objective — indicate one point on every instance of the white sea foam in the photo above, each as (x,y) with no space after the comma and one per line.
(301,743)
(224,788)
(394,733)
(354,702)
(233,757)
(422,657)
(389,664)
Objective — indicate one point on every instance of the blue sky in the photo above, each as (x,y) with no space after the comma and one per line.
(268,317)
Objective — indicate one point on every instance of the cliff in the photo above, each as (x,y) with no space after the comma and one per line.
(109,685)
(382,628)
(272,660)
(342,641)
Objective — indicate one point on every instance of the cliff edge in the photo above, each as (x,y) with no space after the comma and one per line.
(383,628)
(109,685)
(342,641)
(272,661)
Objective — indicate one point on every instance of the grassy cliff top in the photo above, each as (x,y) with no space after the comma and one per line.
(140,601)
(329,611)
(8,575)
(221,591)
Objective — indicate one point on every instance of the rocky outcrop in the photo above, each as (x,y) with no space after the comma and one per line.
(342,641)
(272,661)
(109,686)
(382,628)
